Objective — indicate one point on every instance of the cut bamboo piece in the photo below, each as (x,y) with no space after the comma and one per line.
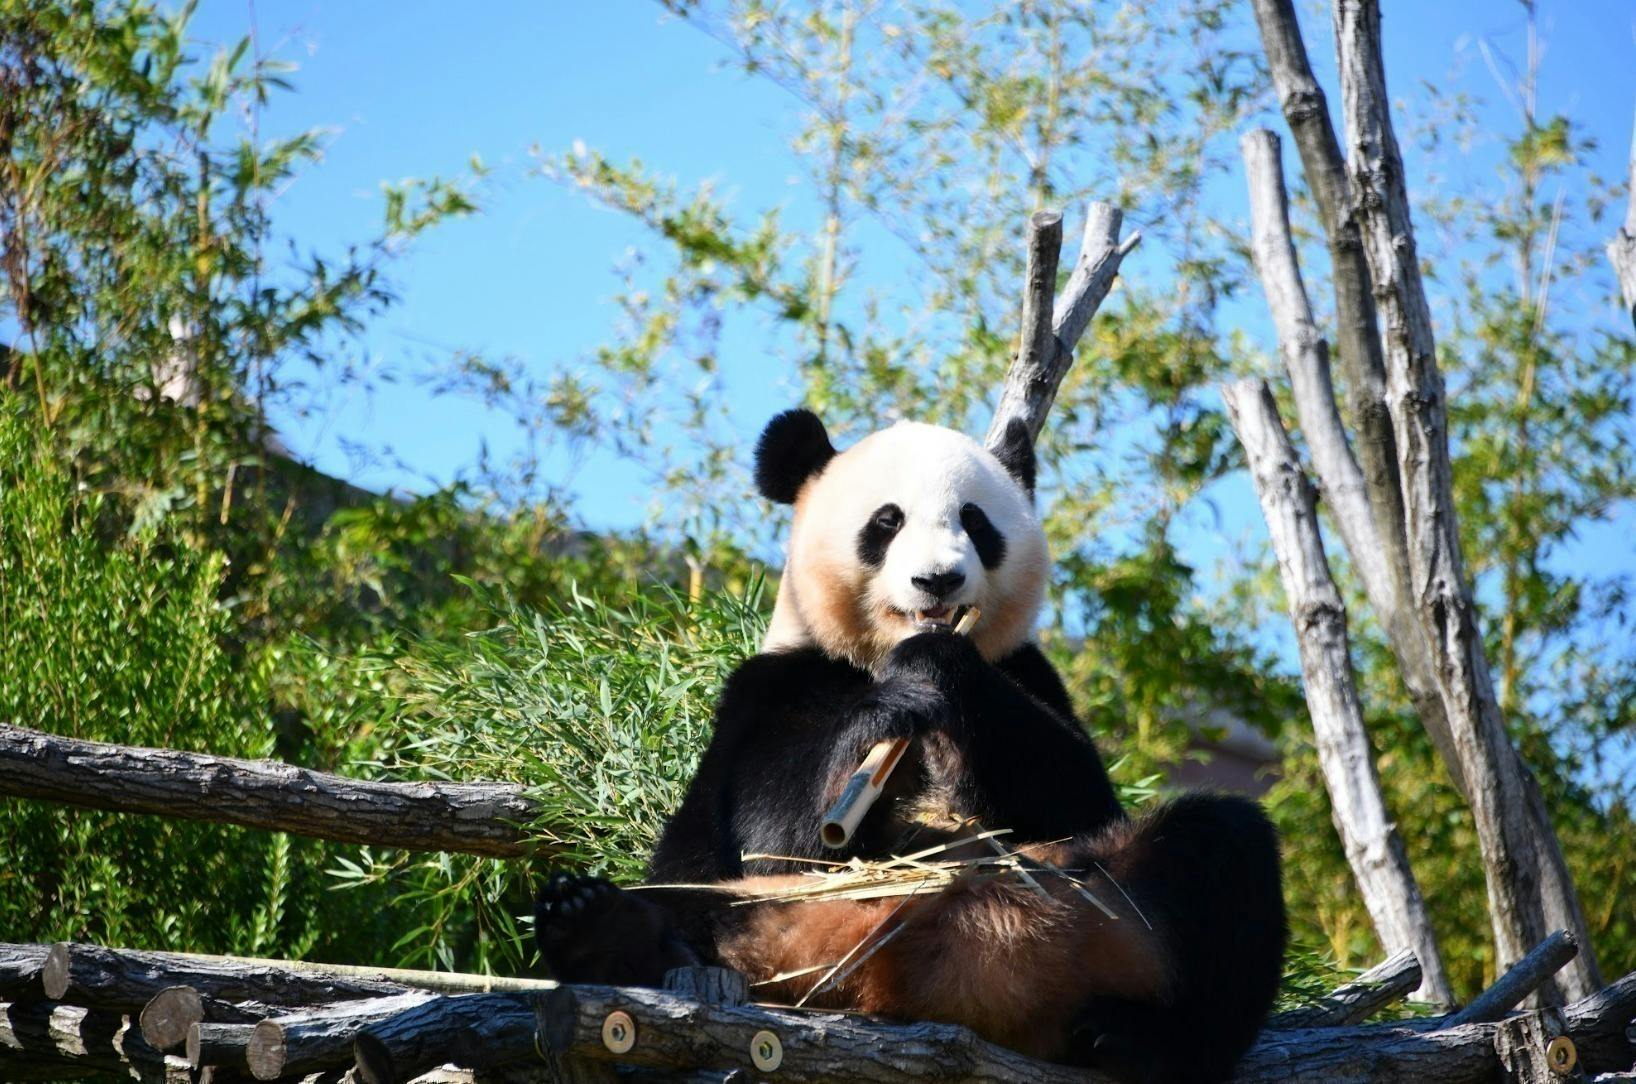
(863,789)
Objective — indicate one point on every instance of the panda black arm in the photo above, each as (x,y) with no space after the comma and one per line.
(761,784)
(1029,765)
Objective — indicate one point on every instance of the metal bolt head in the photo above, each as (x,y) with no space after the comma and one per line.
(766,1052)
(1561,1055)
(619,1032)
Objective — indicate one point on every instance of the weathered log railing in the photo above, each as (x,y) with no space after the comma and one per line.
(370,1026)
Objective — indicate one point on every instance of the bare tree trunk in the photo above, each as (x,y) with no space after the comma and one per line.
(1516,843)
(1373,848)
(1383,560)
(1622,249)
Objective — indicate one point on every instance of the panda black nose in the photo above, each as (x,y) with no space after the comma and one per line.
(939,584)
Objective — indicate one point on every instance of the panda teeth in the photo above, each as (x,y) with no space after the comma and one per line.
(940,618)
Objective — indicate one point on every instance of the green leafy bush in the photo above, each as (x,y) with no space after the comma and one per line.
(116,636)
(599,706)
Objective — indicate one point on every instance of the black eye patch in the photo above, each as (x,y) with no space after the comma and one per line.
(990,542)
(878,533)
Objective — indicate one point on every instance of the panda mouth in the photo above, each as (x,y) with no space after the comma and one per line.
(936,618)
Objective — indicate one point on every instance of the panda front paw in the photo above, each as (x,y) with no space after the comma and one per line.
(944,660)
(899,708)
(590,930)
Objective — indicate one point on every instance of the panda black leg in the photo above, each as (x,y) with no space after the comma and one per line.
(590,930)
(1203,869)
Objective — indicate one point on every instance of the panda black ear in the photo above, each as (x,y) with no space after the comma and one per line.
(794,447)
(1016,454)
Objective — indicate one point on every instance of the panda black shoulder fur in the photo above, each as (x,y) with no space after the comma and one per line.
(892,540)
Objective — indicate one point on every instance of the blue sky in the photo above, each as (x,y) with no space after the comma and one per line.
(410,89)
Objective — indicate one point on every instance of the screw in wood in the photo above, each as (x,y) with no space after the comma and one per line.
(1561,1055)
(766,1051)
(619,1032)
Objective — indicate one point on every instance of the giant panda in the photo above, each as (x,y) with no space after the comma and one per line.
(892,540)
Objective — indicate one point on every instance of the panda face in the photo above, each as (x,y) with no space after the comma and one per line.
(901,533)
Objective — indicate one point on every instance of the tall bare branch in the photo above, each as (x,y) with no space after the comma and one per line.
(1384,568)
(1528,884)
(1032,381)
(1373,848)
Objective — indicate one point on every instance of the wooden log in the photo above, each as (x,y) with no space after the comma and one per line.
(1386,982)
(128,979)
(78,1041)
(710,985)
(306,1042)
(470,818)
(1530,889)
(1525,976)
(1032,381)
(1374,850)
(679,1034)
(166,1018)
(1534,1048)
(20,969)
(228,1045)
(473,1029)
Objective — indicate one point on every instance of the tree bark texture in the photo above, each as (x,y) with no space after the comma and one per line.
(1307,112)
(304,1042)
(1527,975)
(20,969)
(470,818)
(1373,848)
(77,1041)
(1368,507)
(127,979)
(210,1044)
(1515,843)
(167,1017)
(1032,381)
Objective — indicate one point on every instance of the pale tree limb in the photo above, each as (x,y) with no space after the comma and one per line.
(1047,351)
(1373,848)
(1383,564)
(1529,888)
(1622,249)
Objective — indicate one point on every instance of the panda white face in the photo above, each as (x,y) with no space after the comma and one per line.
(899,534)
